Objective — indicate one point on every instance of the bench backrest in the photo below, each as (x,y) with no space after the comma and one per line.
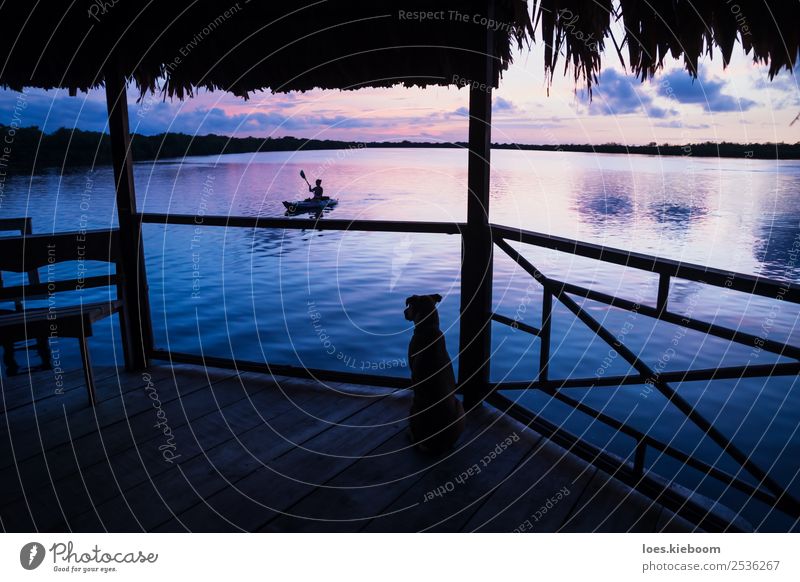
(22,225)
(31,252)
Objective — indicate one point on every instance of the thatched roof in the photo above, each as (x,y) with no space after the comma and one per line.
(240,46)
(344,44)
(652,30)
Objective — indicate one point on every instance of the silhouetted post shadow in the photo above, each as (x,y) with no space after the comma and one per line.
(476,268)
(135,324)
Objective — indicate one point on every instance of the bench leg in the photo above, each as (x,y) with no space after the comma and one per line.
(43,348)
(87,368)
(127,352)
(12,368)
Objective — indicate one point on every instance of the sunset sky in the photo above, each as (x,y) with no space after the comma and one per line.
(738,104)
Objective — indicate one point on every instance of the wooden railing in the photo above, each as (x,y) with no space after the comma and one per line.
(634,472)
(293,224)
(764,487)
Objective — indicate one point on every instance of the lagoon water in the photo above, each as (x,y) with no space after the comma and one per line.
(335,299)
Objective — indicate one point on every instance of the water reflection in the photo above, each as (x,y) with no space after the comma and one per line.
(604,201)
(777,247)
(675,216)
(270,242)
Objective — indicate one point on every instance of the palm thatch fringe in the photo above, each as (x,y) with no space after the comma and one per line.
(179,46)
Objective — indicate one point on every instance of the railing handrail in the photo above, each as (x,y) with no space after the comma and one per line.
(304,223)
(755,285)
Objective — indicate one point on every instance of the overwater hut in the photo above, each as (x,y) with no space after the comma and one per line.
(67,465)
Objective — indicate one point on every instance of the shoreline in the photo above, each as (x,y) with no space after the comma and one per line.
(34,150)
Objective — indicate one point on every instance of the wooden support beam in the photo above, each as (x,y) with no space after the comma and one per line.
(658,382)
(750,284)
(663,292)
(516,324)
(547,326)
(137,324)
(477,248)
(615,382)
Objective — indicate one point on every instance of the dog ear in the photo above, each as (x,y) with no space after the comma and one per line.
(436,297)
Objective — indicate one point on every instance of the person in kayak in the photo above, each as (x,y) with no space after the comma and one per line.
(317,190)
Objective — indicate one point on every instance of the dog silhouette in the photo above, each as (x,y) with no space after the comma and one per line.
(437,416)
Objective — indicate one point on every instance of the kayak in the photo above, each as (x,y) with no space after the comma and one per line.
(310,204)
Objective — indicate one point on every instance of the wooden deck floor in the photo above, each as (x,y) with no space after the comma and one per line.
(256,454)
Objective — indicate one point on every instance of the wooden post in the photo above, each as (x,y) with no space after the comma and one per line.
(137,326)
(544,336)
(477,246)
(663,293)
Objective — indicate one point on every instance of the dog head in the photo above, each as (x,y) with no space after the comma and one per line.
(422,308)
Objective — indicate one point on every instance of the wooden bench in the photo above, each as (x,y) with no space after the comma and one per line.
(29,253)
(22,225)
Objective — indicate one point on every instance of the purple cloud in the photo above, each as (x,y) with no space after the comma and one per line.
(702,91)
(501,104)
(617,94)
(51,110)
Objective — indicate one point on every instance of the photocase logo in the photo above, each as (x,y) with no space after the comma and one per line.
(31,555)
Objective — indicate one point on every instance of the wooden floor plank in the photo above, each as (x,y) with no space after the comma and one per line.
(302,470)
(30,436)
(143,458)
(288,456)
(450,492)
(369,486)
(669,522)
(45,385)
(221,464)
(92,443)
(22,382)
(141,428)
(167,390)
(607,505)
(292,472)
(539,494)
(39,475)
(28,462)
(214,426)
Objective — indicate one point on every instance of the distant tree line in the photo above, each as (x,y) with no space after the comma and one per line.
(31,148)
(761,151)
